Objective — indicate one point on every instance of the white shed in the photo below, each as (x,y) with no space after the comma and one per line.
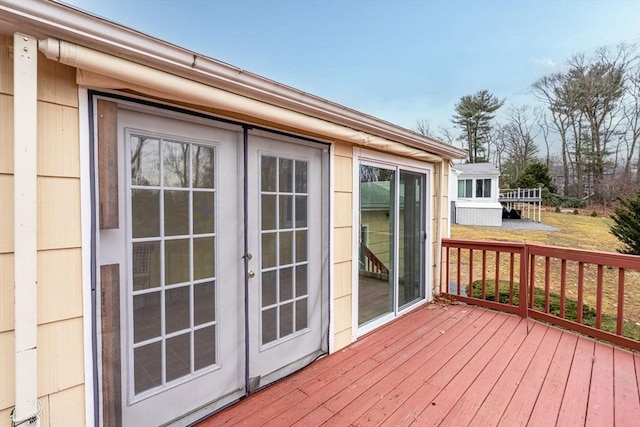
(476,196)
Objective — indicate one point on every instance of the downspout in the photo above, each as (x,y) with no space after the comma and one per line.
(25,112)
(439,213)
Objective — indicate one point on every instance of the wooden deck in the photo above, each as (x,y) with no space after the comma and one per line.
(455,366)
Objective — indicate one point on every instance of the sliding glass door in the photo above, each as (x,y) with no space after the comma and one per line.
(412,238)
(391,270)
(375,278)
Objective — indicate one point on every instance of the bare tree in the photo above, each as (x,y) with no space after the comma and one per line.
(545,130)
(551,90)
(518,139)
(598,87)
(446,135)
(423,128)
(631,122)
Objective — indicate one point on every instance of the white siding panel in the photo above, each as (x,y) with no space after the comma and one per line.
(479,216)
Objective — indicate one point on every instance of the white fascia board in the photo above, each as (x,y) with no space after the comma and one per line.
(51,18)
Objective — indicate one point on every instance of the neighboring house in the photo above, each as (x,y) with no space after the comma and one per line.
(477,195)
(176,233)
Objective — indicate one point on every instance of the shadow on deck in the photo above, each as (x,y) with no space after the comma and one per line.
(455,365)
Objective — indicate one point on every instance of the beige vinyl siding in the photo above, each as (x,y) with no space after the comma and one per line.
(60,326)
(342,245)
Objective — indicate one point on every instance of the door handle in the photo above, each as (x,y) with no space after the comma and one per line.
(251,274)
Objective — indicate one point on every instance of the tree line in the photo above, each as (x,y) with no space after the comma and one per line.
(591,111)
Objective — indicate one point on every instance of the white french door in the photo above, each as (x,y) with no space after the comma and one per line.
(182,337)
(285,241)
(179,249)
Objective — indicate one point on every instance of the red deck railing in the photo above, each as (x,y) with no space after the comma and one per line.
(372,265)
(594,293)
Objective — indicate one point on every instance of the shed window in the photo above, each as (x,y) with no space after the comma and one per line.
(483,188)
(465,188)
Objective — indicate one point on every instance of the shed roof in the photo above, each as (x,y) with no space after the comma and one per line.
(485,168)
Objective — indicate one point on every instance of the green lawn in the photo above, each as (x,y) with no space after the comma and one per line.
(575,231)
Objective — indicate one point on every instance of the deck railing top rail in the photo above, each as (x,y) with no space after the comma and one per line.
(610,259)
(521,194)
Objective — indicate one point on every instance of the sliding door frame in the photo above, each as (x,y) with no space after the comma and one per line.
(398,164)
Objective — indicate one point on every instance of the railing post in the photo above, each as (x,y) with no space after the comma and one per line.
(524,274)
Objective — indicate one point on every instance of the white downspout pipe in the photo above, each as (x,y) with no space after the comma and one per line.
(25,112)
(439,215)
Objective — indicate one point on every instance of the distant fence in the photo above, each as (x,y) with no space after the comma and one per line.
(594,293)
(526,200)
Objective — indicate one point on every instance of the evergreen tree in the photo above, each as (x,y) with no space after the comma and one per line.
(473,116)
(626,225)
(536,174)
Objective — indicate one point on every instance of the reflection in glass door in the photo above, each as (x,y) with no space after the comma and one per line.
(391,272)
(375,272)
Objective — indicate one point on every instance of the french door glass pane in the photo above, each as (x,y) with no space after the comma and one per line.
(203,212)
(283,213)
(178,356)
(146,265)
(204,347)
(176,213)
(177,309)
(145,161)
(410,268)
(375,272)
(203,166)
(145,213)
(147,367)
(204,303)
(175,164)
(173,292)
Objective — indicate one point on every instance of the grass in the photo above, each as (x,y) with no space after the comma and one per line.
(575,231)
(608,323)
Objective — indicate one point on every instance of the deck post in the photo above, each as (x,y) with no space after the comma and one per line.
(523,289)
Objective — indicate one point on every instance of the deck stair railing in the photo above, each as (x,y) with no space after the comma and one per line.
(594,293)
(371,264)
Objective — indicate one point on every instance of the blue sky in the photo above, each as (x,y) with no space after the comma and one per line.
(397,60)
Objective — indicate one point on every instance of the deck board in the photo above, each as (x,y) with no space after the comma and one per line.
(447,398)
(626,396)
(496,403)
(573,410)
(547,407)
(453,366)
(600,406)
(528,389)
(409,411)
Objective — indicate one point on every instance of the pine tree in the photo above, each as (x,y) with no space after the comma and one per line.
(473,116)
(626,225)
(536,174)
